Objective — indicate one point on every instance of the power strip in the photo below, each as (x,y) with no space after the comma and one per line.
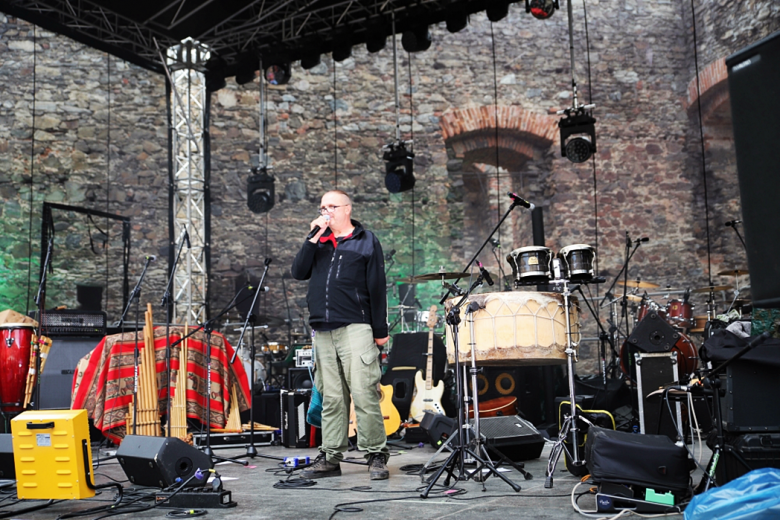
(194,499)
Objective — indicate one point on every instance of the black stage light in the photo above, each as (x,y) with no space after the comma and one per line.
(342,52)
(246,75)
(310,61)
(399,168)
(260,191)
(278,74)
(417,39)
(457,19)
(541,9)
(497,10)
(376,37)
(578,135)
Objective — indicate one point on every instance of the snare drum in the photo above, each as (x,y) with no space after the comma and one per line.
(514,328)
(531,264)
(577,262)
(15,345)
(680,314)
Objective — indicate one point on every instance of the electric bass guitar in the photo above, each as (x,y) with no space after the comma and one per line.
(427,398)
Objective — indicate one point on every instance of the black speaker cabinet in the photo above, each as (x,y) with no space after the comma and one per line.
(411,350)
(754,90)
(7,467)
(438,427)
(653,334)
(159,461)
(402,381)
(299,379)
(759,450)
(295,430)
(57,377)
(747,406)
(513,436)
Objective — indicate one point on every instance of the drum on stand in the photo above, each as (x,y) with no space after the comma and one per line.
(531,264)
(577,262)
(514,328)
(680,314)
(15,346)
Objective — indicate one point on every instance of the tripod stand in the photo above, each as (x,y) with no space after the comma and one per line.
(569,426)
(462,450)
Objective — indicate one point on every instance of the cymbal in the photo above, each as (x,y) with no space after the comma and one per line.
(733,272)
(408,279)
(438,276)
(633,297)
(637,283)
(713,288)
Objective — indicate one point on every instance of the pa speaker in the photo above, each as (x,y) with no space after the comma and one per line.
(7,467)
(754,90)
(438,427)
(57,376)
(161,461)
(653,334)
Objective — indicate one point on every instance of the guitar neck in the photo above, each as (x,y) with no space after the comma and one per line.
(429,366)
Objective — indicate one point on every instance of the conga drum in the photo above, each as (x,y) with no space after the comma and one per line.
(514,328)
(532,264)
(15,345)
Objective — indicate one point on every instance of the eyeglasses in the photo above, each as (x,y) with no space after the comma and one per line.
(330,209)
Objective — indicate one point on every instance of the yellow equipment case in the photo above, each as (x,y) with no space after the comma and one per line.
(52,455)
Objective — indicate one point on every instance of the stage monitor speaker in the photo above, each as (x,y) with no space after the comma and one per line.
(438,427)
(653,334)
(513,436)
(57,376)
(754,90)
(159,461)
(7,468)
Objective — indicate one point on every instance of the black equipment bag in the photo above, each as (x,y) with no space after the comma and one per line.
(652,461)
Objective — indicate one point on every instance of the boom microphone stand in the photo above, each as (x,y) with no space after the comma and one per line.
(251,451)
(40,301)
(136,294)
(166,302)
(457,458)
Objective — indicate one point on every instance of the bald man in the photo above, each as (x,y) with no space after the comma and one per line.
(348,312)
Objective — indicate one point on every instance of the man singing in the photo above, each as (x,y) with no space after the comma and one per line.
(348,312)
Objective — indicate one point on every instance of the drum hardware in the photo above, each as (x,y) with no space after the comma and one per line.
(462,451)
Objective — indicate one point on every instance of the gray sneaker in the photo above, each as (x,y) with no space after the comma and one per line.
(321,468)
(377,466)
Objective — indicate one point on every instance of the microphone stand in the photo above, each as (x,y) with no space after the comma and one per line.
(40,302)
(734,227)
(512,206)
(251,451)
(136,294)
(166,303)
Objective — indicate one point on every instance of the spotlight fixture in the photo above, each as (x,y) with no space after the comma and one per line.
(417,39)
(376,38)
(310,61)
(260,191)
(457,19)
(399,167)
(541,9)
(278,74)
(342,52)
(497,10)
(578,135)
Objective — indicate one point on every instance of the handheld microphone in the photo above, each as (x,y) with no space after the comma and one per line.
(495,243)
(517,199)
(732,223)
(151,258)
(485,275)
(316,229)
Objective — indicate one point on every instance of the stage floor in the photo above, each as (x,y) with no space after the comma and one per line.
(253,489)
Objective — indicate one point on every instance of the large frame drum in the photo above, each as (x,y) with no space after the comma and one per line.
(514,328)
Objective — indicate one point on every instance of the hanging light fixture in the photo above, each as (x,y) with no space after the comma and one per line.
(399,167)
(278,74)
(260,191)
(578,135)
(541,9)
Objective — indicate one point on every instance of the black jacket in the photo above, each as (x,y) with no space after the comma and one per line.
(347,283)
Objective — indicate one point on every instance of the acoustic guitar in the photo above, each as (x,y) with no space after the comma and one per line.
(427,398)
(390,413)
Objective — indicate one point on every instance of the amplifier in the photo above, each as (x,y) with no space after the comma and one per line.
(72,322)
(303,357)
(295,431)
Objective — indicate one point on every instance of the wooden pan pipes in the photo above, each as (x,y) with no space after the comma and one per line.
(178,420)
(148,411)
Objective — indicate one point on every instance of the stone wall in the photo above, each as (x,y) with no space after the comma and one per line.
(647,176)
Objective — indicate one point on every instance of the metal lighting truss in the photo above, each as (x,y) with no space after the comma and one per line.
(188,104)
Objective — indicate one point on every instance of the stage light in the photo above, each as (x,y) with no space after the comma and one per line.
(417,39)
(497,10)
(457,19)
(541,9)
(260,191)
(399,167)
(578,135)
(310,61)
(278,74)
(245,75)
(342,52)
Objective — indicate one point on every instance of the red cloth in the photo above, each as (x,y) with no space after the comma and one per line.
(103,383)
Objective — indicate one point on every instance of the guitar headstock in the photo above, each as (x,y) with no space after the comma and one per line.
(432,317)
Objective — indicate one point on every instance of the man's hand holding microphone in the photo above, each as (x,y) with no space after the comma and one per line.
(318,227)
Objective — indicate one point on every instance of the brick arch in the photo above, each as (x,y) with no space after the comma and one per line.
(714,91)
(471,134)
